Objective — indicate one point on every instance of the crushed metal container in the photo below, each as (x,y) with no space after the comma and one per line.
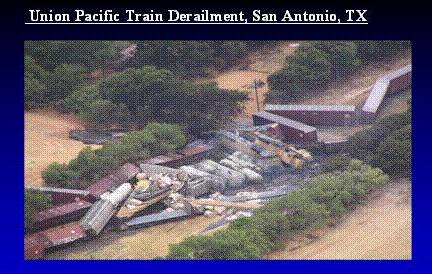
(218,184)
(155,170)
(198,187)
(119,194)
(235,178)
(166,215)
(61,214)
(98,216)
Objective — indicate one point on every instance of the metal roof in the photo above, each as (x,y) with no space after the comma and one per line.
(379,90)
(285,121)
(61,210)
(376,96)
(63,234)
(344,108)
(157,217)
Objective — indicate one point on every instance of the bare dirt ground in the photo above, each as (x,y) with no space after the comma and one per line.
(46,141)
(380,229)
(258,67)
(356,88)
(144,243)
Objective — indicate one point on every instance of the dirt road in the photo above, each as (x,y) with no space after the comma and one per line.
(46,140)
(356,88)
(381,229)
(260,65)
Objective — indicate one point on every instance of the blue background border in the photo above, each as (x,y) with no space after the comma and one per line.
(387,22)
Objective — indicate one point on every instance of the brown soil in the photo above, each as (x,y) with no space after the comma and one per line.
(381,229)
(356,88)
(47,141)
(259,66)
(144,243)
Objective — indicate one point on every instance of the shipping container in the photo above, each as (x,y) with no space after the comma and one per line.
(316,115)
(34,246)
(393,82)
(108,183)
(62,195)
(64,234)
(61,214)
(98,217)
(292,130)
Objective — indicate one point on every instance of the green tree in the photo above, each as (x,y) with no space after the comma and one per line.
(57,174)
(394,153)
(34,201)
(64,80)
(35,84)
(343,57)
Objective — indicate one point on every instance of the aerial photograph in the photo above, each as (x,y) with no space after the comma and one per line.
(217,150)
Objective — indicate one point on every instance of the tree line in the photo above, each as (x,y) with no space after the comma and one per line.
(133,97)
(315,65)
(193,58)
(326,197)
(387,144)
(92,164)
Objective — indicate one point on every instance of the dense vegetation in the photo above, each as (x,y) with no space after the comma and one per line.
(326,196)
(192,58)
(90,164)
(34,201)
(57,72)
(386,144)
(316,64)
(139,96)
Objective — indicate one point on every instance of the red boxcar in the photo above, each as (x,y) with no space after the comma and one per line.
(316,115)
(34,246)
(61,214)
(292,130)
(63,234)
(109,182)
